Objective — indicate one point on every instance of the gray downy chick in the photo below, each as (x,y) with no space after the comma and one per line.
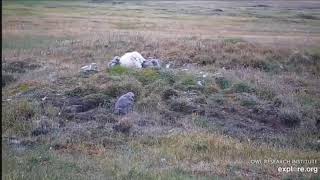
(124,105)
(114,62)
(151,63)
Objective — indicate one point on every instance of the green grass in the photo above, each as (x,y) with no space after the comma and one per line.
(265,93)
(201,122)
(127,84)
(248,103)
(43,163)
(223,83)
(147,76)
(242,87)
(16,117)
(174,174)
(233,40)
(134,161)
(188,80)
(119,70)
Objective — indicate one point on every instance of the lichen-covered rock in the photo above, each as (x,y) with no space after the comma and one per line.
(125,103)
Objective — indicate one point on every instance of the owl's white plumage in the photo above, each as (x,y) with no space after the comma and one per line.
(132,60)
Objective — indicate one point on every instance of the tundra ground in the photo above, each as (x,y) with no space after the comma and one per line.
(243,85)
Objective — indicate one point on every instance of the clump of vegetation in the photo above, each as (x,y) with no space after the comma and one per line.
(265,93)
(186,82)
(242,87)
(50,111)
(223,82)
(156,87)
(267,65)
(17,117)
(233,40)
(182,105)
(290,118)
(98,99)
(147,76)
(201,122)
(149,103)
(23,87)
(304,62)
(81,91)
(204,59)
(127,84)
(248,103)
(169,93)
(40,162)
(119,70)
(299,58)
(210,89)
(168,76)
(218,99)
(123,126)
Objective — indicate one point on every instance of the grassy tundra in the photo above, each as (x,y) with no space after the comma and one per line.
(258,64)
